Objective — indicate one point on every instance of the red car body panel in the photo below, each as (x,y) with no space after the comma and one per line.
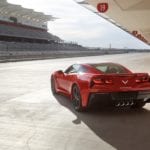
(95,81)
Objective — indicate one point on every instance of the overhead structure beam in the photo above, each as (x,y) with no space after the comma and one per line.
(130,15)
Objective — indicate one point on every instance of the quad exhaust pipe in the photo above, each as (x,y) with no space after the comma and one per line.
(124,104)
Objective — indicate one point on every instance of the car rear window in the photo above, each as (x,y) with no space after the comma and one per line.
(110,68)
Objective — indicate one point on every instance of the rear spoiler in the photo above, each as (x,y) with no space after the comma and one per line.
(124,75)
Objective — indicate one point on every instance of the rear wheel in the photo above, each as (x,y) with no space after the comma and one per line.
(76,99)
(138,104)
(53,87)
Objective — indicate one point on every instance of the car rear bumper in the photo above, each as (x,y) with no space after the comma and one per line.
(126,98)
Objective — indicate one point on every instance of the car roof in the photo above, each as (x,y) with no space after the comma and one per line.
(94,64)
(104,63)
(108,63)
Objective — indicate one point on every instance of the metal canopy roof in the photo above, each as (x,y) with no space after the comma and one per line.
(133,16)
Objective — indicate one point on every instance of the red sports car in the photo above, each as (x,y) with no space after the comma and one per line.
(85,83)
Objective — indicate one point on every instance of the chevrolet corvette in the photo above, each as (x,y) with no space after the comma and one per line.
(109,82)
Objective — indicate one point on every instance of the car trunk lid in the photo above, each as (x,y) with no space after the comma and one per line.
(120,80)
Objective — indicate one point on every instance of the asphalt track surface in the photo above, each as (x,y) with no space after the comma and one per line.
(31,118)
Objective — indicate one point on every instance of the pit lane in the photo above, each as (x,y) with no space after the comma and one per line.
(32,118)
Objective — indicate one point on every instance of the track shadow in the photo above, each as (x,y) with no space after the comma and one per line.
(123,128)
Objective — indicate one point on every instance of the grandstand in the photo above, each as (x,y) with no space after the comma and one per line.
(23,33)
(18,24)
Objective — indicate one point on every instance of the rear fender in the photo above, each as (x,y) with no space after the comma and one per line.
(85,97)
(84,90)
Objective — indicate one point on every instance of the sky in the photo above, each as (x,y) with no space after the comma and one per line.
(77,24)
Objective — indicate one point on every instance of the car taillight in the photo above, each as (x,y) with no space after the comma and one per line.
(100,81)
(108,81)
(138,81)
(142,79)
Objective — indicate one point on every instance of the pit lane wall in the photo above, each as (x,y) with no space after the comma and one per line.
(13,51)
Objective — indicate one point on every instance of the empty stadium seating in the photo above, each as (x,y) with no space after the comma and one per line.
(10,46)
(22,32)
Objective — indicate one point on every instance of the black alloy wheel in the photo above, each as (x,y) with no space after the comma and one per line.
(76,98)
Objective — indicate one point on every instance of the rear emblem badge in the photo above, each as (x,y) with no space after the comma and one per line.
(125,82)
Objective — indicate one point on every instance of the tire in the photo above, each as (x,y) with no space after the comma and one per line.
(138,105)
(76,99)
(53,86)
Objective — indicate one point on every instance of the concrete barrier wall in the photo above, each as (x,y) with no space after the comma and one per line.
(26,51)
